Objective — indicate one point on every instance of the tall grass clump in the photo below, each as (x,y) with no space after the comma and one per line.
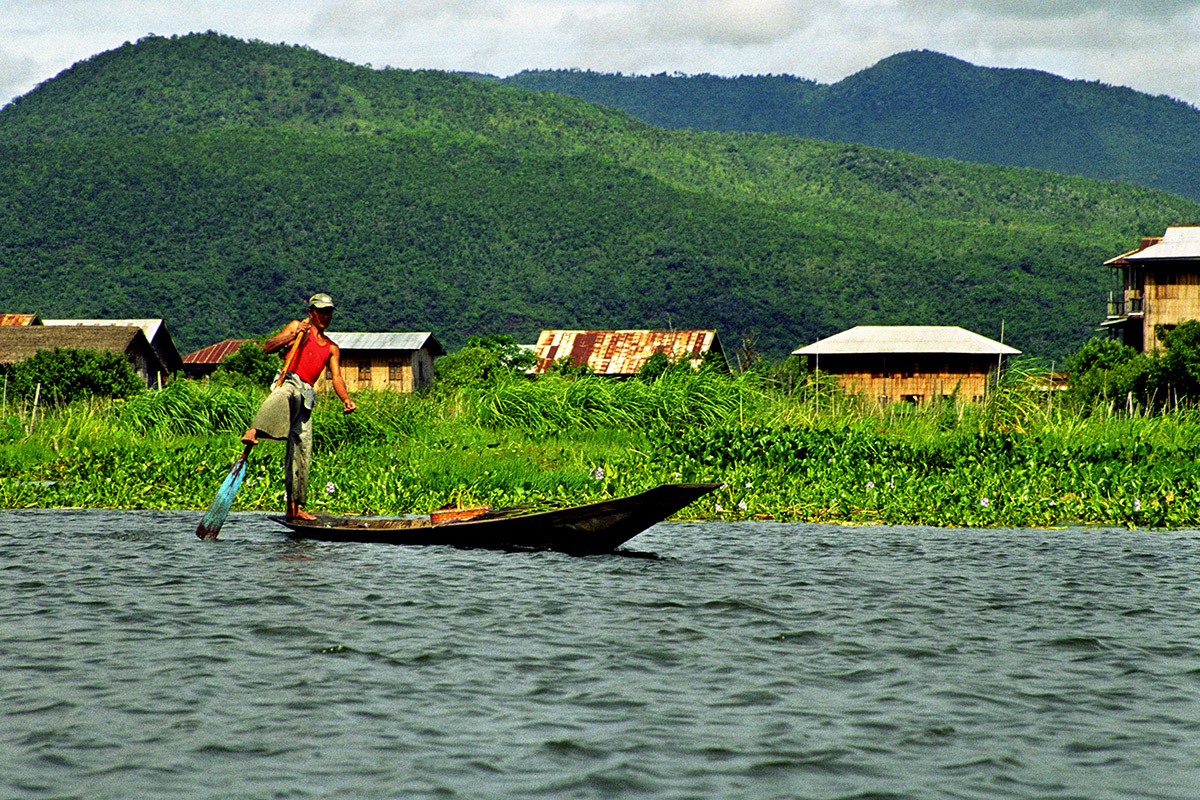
(186,407)
(381,418)
(675,400)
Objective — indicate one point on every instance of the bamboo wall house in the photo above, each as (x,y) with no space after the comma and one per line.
(399,362)
(621,353)
(913,364)
(1160,285)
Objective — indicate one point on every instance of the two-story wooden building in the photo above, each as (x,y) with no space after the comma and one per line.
(1160,285)
(909,363)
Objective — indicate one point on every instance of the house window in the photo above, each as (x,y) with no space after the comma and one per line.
(395,371)
(364,371)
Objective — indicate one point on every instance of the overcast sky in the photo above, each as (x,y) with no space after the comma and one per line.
(1147,45)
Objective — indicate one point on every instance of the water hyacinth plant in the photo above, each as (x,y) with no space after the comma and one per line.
(810,454)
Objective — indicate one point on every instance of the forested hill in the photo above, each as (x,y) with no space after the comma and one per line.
(930,104)
(218,183)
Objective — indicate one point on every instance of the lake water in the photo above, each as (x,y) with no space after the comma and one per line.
(750,660)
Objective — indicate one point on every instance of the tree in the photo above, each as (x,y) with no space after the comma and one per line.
(1176,375)
(250,364)
(1107,371)
(1099,353)
(485,360)
(66,375)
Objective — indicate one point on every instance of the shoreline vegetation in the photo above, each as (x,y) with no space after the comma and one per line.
(802,454)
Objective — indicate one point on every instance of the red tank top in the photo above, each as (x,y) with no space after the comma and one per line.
(311,359)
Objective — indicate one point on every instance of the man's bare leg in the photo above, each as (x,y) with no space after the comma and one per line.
(296,512)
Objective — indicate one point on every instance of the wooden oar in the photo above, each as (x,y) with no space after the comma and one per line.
(214,518)
(290,361)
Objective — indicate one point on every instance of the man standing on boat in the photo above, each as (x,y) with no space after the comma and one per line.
(286,414)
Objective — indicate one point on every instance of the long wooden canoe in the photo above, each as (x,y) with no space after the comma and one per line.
(581,530)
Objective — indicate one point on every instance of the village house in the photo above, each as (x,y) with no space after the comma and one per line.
(400,362)
(18,343)
(622,353)
(1160,285)
(204,362)
(909,363)
(156,333)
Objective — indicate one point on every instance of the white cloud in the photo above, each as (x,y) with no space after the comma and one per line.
(372,19)
(1145,44)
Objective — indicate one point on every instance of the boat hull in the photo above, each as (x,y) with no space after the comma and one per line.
(581,530)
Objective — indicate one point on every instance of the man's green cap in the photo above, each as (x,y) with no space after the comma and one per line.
(320,301)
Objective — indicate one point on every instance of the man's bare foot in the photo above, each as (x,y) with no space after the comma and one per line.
(250,437)
(300,514)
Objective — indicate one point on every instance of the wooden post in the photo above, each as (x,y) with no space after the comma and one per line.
(37,394)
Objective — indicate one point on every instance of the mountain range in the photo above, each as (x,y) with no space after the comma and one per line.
(217,183)
(929,104)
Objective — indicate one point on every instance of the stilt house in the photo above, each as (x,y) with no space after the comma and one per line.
(909,363)
(1160,285)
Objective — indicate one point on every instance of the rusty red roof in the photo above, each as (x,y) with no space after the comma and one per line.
(214,353)
(621,352)
(19,320)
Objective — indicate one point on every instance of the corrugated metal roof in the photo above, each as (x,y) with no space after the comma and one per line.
(19,320)
(388,341)
(18,344)
(214,353)
(875,339)
(1181,242)
(621,352)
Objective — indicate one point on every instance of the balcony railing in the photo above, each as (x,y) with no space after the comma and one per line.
(1124,307)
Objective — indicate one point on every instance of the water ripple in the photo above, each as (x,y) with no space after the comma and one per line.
(755,660)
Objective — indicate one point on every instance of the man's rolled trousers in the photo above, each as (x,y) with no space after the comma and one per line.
(286,414)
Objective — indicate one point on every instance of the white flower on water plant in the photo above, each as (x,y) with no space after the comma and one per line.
(742,505)
(330,488)
(1137,505)
(870,484)
(983,501)
(718,507)
(598,474)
